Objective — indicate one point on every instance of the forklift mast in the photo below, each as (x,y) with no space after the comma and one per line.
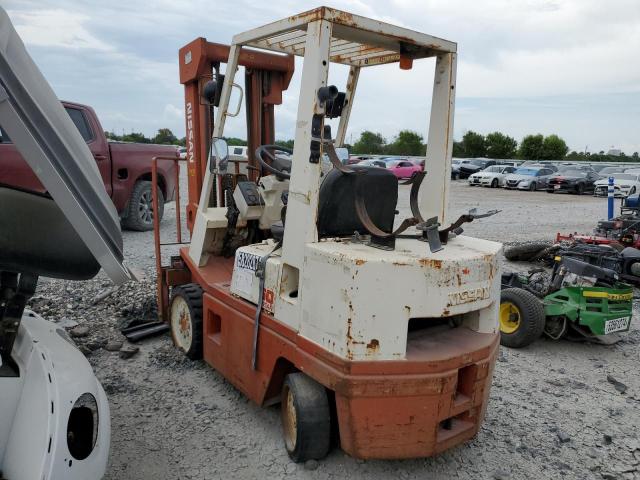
(266,77)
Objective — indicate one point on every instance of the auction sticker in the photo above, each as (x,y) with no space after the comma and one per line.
(244,272)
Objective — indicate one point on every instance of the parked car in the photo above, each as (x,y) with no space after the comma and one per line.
(551,166)
(125,169)
(599,166)
(493,176)
(632,170)
(373,163)
(474,165)
(403,168)
(607,171)
(418,161)
(572,167)
(573,181)
(624,184)
(455,166)
(528,178)
(353,159)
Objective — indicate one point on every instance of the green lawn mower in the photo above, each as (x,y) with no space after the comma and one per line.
(579,301)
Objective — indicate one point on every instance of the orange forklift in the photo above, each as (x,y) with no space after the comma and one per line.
(300,285)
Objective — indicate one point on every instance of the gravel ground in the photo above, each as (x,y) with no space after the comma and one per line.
(553,411)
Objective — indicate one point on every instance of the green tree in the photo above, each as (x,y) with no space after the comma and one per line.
(634,156)
(473,144)
(164,137)
(458,149)
(112,136)
(369,142)
(407,143)
(554,148)
(135,137)
(235,142)
(285,143)
(531,147)
(500,145)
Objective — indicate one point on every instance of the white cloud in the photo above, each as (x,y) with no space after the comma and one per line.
(551,50)
(56,28)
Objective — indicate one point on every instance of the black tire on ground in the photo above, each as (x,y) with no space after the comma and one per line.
(185,319)
(306,418)
(525,251)
(531,318)
(580,189)
(533,187)
(139,213)
(494,183)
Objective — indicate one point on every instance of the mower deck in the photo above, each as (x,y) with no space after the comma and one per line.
(415,407)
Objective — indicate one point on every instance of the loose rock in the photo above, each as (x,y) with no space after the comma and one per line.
(80,331)
(128,352)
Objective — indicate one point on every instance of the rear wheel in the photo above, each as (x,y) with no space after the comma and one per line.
(140,212)
(185,319)
(306,418)
(521,316)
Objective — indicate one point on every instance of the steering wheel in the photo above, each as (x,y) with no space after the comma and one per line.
(280,166)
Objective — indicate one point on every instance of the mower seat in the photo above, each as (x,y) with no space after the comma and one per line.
(37,238)
(337,215)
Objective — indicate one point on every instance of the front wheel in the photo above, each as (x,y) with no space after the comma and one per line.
(533,187)
(185,319)
(494,183)
(306,418)
(522,318)
(140,212)
(580,189)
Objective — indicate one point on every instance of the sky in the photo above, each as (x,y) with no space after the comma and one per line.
(570,67)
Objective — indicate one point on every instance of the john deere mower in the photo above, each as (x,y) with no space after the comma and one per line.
(579,301)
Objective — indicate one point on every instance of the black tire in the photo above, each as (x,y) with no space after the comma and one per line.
(191,294)
(580,189)
(525,251)
(139,213)
(533,187)
(530,317)
(494,183)
(306,418)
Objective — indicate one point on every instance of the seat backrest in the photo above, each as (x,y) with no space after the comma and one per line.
(337,201)
(36,238)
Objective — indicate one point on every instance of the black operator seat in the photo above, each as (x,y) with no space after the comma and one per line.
(337,215)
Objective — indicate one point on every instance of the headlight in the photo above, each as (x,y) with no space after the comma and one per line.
(82,427)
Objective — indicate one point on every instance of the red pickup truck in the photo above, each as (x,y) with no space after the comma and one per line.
(125,169)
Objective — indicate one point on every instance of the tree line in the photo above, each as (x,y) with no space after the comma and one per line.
(164,137)
(496,145)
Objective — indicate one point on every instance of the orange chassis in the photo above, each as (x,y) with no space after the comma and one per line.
(434,399)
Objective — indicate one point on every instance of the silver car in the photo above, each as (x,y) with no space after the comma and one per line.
(528,178)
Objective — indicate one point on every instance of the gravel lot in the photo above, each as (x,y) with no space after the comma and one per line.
(552,413)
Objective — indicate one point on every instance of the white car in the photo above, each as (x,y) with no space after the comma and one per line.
(624,184)
(493,176)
